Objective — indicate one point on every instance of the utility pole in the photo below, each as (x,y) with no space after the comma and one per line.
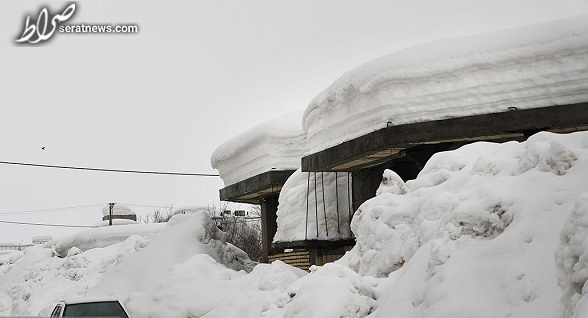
(111,206)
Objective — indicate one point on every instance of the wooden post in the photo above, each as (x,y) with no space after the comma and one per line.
(269,207)
(111,206)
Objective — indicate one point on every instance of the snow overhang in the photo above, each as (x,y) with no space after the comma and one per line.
(522,68)
(496,86)
(275,145)
(394,141)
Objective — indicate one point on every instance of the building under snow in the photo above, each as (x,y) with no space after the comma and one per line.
(118,212)
(255,165)
(396,112)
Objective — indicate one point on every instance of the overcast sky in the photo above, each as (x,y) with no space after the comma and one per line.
(197,73)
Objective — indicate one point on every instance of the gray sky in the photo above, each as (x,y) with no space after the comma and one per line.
(198,73)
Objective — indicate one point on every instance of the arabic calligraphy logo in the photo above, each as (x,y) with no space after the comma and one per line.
(41,31)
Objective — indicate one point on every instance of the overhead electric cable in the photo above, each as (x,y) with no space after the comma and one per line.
(147,206)
(109,170)
(51,210)
(44,224)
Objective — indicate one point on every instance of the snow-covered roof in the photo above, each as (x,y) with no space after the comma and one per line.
(118,209)
(526,67)
(277,144)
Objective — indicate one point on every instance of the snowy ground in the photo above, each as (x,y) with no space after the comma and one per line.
(487,230)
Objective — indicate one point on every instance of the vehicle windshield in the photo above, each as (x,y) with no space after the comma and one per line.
(98,309)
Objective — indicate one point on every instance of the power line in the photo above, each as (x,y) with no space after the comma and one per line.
(44,224)
(51,210)
(109,170)
(147,206)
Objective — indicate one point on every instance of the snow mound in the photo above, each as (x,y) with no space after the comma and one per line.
(11,257)
(475,233)
(294,217)
(392,183)
(526,67)
(572,260)
(133,270)
(329,291)
(277,144)
(102,237)
(227,293)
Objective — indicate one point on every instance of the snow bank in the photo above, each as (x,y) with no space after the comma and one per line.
(292,213)
(275,144)
(102,237)
(533,66)
(475,234)
(572,260)
(138,271)
(200,287)
(329,291)
(10,257)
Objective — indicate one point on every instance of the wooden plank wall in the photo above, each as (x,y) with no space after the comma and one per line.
(300,259)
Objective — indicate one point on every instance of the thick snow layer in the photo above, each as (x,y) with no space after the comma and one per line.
(117,209)
(475,234)
(572,261)
(329,291)
(188,259)
(297,215)
(9,257)
(102,237)
(527,67)
(277,144)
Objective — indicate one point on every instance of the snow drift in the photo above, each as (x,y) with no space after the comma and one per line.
(134,270)
(572,260)
(277,144)
(476,233)
(527,67)
(102,236)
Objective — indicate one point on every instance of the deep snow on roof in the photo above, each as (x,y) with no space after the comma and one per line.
(526,67)
(277,144)
(118,209)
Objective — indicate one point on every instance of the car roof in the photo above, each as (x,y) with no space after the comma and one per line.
(94,299)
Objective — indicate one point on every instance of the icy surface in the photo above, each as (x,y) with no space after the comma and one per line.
(297,215)
(277,144)
(527,67)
